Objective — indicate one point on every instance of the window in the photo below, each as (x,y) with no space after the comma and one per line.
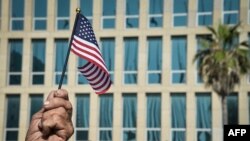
(129,117)
(87,9)
(205,12)
(180,13)
(38,61)
(203,117)
(155,13)
(106,117)
(12,119)
(200,39)
(17,15)
(153,117)
(15,61)
(232,109)
(40,15)
(231,11)
(132,13)
(36,103)
(61,52)
(179,59)
(130,60)
(108,53)
(62,19)
(82,117)
(108,13)
(178,116)
(154,60)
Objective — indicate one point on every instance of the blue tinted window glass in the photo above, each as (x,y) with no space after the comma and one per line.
(40,8)
(203,110)
(13,110)
(36,103)
(106,111)
(180,20)
(132,22)
(156,22)
(63,8)
(82,135)
(12,136)
(82,110)
(231,5)
(131,54)
(61,52)
(108,52)
(156,6)
(108,23)
(231,18)
(132,7)
(153,110)
(180,6)
(205,5)
(17,24)
(205,20)
(109,7)
(154,53)
(40,24)
(17,8)
(178,110)
(129,110)
(232,109)
(179,53)
(86,7)
(38,64)
(16,49)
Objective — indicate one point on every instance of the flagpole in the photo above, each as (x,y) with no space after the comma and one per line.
(67,57)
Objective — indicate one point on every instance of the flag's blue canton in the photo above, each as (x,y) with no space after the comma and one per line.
(84,30)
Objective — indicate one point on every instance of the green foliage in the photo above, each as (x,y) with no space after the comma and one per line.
(222,60)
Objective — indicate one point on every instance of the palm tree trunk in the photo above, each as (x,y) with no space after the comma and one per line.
(224,109)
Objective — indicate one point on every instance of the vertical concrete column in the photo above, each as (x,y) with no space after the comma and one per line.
(117,116)
(26,62)
(141,116)
(24,112)
(94,117)
(165,116)
(217,127)
(191,118)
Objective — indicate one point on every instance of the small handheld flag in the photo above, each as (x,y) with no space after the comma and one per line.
(83,43)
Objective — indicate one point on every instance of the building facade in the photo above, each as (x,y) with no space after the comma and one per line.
(148,47)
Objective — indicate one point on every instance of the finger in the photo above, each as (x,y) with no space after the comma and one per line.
(51,95)
(56,112)
(47,126)
(62,93)
(56,103)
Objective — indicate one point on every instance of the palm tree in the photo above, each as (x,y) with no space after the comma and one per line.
(222,61)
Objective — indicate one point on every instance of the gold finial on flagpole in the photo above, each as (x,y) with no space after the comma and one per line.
(78,10)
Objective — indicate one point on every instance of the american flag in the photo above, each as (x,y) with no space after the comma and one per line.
(84,45)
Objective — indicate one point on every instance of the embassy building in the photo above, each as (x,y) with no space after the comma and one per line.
(148,47)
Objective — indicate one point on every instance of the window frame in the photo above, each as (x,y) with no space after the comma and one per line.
(198,14)
(132,16)
(38,19)
(64,18)
(80,128)
(230,12)
(149,72)
(130,72)
(174,15)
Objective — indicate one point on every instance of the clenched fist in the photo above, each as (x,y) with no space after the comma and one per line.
(53,122)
